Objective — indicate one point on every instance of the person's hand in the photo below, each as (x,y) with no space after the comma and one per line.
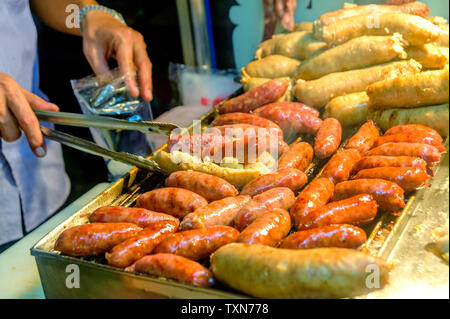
(104,37)
(16,114)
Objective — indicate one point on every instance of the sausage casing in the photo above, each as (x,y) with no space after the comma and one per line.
(340,165)
(428,153)
(198,243)
(245,118)
(390,161)
(356,210)
(300,107)
(278,197)
(328,138)
(414,128)
(174,201)
(388,195)
(136,247)
(408,178)
(93,239)
(315,195)
(299,155)
(268,272)
(268,229)
(349,109)
(291,121)
(140,216)
(175,267)
(410,137)
(365,138)
(263,94)
(343,236)
(286,177)
(208,186)
(219,212)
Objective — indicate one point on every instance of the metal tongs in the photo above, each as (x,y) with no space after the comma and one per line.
(102,122)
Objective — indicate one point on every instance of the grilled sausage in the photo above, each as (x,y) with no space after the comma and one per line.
(136,247)
(408,178)
(278,197)
(139,216)
(291,121)
(219,212)
(287,177)
(328,138)
(343,236)
(340,165)
(388,195)
(297,106)
(299,156)
(174,201)
(414,128)
(268,272)
(390,161)
(415,7)
(245,118)
(357,210)
(208,186)
(364,139)
(93,239)
(314,196)
(410,137)
(428,153)
(175,267)
(198,243)
(268,229)
(266,93)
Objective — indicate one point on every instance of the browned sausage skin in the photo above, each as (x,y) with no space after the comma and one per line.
(299,156)
(388,195)
(408,178)
(328,138)
(208,186)
(364,139)
(266,93)
(140,216)
(286,177)
(414,128)
(314,196)
(291,121)
(93,239)
(341,164)
(278,197)
(174,267)
(390,161)
(268,229)
(410,137)
(198,243)
(219,212)
(174,201)
(357,210)
(342,236)
(245,118)
(429,153)
(134,248)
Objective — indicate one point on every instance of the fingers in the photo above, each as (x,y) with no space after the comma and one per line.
(21,109)
(9,128)
(144,71)
(38,103)
(96,59)
(124,56)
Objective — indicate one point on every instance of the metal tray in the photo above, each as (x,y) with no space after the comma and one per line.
(98,280)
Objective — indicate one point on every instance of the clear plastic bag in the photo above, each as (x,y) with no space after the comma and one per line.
(107,95)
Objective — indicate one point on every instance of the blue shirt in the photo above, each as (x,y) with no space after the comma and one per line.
(31,189)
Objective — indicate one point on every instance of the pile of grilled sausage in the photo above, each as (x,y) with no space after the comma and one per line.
(172,230)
